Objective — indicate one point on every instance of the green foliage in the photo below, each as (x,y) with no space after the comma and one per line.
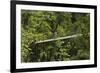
(43,25)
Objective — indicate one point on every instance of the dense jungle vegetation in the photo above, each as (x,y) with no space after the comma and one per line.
(43,25)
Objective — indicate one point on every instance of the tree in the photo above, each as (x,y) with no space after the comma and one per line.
(43,25)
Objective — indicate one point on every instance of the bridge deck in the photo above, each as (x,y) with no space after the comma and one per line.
(60,38)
